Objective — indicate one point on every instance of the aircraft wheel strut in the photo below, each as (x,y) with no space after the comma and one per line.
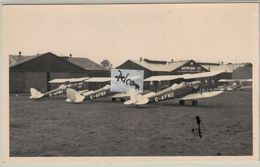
(122,99)
(194,102)
(182,102)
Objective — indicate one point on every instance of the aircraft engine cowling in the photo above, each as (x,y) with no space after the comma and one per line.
(196,85)
(63,87)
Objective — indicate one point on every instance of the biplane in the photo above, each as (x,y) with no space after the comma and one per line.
(187,89)
(79,96)
(234,84)
(63,85)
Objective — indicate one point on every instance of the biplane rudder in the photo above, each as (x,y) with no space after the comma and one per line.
(74,96)
(35,94)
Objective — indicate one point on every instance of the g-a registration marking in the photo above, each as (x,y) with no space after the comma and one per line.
(164,96)
(100,94)
(56,93)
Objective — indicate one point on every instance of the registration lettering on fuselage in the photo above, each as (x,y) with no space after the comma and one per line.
(56,93)
(99,94)
(164,96)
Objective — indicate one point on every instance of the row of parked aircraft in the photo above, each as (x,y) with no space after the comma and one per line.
(234,84)
(187,88)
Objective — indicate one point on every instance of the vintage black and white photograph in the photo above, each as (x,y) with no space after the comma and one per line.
(95,80)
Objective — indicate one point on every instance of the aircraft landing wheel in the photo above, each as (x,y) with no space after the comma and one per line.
(113,99)
(182,102)
(194,102)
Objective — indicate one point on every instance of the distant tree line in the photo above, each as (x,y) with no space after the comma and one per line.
(106,64)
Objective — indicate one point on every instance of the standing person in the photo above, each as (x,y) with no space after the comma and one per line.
(198,120)
(151,85)
(201,87)
(212,84)
(206,84)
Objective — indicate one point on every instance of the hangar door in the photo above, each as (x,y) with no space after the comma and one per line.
(36,80)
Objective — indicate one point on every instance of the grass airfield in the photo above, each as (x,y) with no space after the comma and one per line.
(52,127)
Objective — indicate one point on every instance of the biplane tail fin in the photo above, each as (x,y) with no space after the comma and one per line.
(134,97)
(74,96)
(35,94)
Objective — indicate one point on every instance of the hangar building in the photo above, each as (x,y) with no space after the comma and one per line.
(153,68)
(228,68)
(245,72)
(35,71)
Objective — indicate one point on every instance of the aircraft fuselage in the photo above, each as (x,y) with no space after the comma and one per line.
(175,91)
(104,91)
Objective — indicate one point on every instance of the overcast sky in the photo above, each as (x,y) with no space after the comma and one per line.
(203,32)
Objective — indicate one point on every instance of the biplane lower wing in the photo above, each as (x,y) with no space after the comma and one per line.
(198,95)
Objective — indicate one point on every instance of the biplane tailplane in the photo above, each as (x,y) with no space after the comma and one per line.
(74,96)
(134,97)
(35,94)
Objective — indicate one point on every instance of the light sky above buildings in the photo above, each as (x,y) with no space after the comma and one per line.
(203,32)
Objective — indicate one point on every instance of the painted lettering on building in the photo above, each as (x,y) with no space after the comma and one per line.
(191,67)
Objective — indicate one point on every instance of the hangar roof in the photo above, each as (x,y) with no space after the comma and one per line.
(242,73)
(84,63)
(160,65)
(17,59)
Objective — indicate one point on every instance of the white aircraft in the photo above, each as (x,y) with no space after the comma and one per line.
(187,90)
(79,96)
(65,83)
(234,84)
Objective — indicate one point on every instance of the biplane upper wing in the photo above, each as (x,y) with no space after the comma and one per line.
(70,80)
(163,78)
(200,95)
(98,79)
(59,81)
(201,75)
(183,76)
(78,79)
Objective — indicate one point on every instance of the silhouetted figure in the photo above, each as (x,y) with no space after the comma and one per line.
(198,122)
(206,85)
(212,84)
